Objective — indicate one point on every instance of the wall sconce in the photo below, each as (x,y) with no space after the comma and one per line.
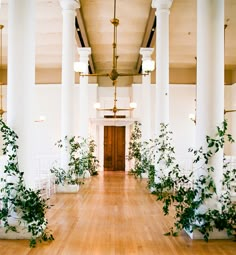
(148,66)
(97,105)
(42,118)
(133,105)
(80,67)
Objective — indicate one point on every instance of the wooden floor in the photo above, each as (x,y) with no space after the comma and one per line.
(113,214)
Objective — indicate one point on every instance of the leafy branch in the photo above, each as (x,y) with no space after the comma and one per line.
(26,204)
(81,159)
(190,198)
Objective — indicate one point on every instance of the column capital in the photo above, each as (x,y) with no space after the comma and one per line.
(70,4)
(146,53)
(84,52)
(162,4)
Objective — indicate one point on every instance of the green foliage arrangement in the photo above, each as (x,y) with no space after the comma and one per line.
(93,162)
(65,177)
(27,204)
(135,143)
(162,158)
(190,198)
(138,152)
(81,152)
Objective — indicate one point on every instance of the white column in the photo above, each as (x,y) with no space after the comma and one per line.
(210,76)
(146,97)
(92,111)
(68,43)
(233,118)
(162,60)
(83,94)
(21,79)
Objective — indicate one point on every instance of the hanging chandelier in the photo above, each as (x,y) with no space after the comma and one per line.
(2,111)
(114,109)
(147,67)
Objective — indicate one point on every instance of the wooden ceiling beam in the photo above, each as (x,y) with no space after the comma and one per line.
(149,36)
(82,37)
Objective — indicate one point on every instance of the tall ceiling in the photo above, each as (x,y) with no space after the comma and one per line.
(94,29)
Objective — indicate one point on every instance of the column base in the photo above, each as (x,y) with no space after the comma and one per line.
(67,188)
(215,234)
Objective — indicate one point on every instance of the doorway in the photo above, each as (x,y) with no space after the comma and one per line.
(114,148)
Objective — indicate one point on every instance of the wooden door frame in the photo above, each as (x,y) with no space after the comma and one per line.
(114,148)
(100,147)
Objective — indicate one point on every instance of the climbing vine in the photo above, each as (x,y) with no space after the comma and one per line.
(190,196)
(26,205)
(162,156)
(135,149)
(138,152)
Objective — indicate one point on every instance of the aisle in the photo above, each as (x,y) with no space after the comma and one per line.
(112,214)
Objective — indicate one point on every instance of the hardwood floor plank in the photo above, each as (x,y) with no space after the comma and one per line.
(113,214)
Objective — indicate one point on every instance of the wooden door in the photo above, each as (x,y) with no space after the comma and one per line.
(114,148)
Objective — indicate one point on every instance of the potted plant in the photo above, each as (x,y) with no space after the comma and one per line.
(93,162)
(82,163)
(135,150)
(142,154)
(66,182)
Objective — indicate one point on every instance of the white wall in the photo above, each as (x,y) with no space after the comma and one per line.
(47,100)
(47,103)
(182,103)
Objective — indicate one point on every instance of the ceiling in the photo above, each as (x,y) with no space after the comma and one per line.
(136,22)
